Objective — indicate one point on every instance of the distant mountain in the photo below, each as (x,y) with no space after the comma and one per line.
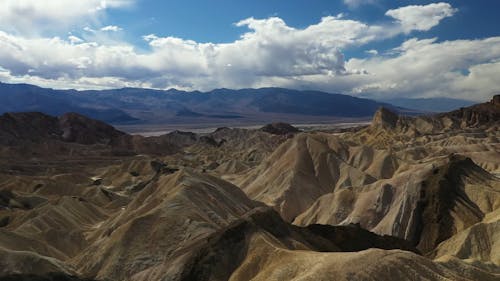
(29,98)
(429,104)
(147,106)
(69,127)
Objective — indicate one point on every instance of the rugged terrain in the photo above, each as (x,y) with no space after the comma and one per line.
(405,198)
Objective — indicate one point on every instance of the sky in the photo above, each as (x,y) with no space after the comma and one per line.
(367,48)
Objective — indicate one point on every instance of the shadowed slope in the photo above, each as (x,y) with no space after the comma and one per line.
(300,171)
(91,211)
(160,224)
(426,204)
(188,226)
(260,248)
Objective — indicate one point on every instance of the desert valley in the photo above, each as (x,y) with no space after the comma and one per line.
(404,198)
(222,140)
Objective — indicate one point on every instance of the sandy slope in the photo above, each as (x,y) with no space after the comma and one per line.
(193,207)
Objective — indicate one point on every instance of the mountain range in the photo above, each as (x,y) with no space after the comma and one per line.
(147,106)
(133,106)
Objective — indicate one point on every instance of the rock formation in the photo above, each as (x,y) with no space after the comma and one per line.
(406,198)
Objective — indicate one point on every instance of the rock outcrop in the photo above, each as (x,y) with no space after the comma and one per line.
(279,129)
(406,198)
(385,118)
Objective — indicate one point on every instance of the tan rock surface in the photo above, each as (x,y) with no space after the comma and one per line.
(80,198)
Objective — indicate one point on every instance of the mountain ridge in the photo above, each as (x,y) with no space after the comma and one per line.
(148,106)
(405,198)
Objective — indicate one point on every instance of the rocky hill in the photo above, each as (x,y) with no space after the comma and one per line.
(404,198)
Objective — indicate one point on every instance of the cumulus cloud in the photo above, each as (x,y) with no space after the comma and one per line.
(269,48)
(28,16)
(55,57)
(268,53)
(460,68)
(421,17)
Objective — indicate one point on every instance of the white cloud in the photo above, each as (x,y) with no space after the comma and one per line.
(88,29)
(428,68)
(270,48)
(481,81)
(269,53)
(112,28)
(33,16)
(74,40)
(53,58)
(421,17)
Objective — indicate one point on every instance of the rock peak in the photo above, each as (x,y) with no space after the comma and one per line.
(385,118)
(496,100)
(280,128)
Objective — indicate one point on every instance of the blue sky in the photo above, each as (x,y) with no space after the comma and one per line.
(213,21)
(369,48)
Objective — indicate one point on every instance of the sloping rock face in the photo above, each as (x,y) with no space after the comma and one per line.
(191,226)
(315,180)
(478,115)
(300,171)
(30,126)
(479,242)
(385,118)
(37,133)
(70,127)
(425,179)
(172,213)
(402,199)
(210,231)
(80,129)
(495,100)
